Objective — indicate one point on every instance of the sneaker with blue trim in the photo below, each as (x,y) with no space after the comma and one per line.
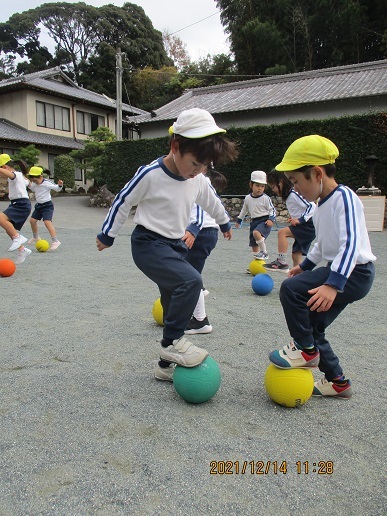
(261,255)
(325,388)
(290,356)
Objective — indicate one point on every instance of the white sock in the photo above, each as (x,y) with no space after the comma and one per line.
(282,257)
(262,245)
(200,309)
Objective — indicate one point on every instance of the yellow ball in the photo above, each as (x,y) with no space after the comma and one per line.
(42,246)
(157,312)
(289,387)
(256,267)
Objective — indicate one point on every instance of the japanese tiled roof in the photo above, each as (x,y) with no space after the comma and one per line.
(330,84)
(15,133)
(54,81)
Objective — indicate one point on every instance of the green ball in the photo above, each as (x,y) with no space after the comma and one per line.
(197,384)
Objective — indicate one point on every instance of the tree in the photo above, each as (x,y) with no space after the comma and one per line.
(90,155)
(303,35)
(64,168)
(176,50)
(30,154)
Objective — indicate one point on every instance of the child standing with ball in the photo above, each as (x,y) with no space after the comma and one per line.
(301,227)
(164,192)
(13,218)
(262,213)
(312,297)
(201,237)
(44,207)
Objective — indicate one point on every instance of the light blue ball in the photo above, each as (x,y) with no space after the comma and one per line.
(262,284)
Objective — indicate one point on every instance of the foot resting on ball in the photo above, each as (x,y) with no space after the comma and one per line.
(292,356)
(184,353)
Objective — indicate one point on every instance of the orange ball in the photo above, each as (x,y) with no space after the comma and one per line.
(7,267)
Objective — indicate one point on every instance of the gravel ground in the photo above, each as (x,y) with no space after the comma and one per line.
(85,428)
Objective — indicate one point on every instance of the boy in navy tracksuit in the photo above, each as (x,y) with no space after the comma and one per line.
(312,297)
(164,192)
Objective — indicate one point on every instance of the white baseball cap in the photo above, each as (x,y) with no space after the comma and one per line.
(195,123)
(258,176)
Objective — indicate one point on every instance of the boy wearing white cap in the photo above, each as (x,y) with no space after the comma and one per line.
(164,192)
(312,297)
(262,213)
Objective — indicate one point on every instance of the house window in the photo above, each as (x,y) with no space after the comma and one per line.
(88,122)
(78,170)
(53,117)
(51,158)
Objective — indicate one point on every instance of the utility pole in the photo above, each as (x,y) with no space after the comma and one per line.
(119,93)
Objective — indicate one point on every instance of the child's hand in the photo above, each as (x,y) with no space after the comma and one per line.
(100,245)
(60,182)
(237,225)
(269,223)
(322,298)
(294,271)
(228,235)
(293,222)
(189,239)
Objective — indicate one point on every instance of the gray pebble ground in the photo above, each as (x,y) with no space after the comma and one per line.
(85,429)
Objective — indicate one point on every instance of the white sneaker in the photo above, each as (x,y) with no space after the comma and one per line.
(54,246)
(165,374)
(22,255)
(33,240)
(261,256)
(17,242)
(184,353)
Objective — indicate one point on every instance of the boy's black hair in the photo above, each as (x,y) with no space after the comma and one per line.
(21,164)
(330,170)
(218,180)
(275,178)
(215,148)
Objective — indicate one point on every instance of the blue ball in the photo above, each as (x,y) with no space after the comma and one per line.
(262,284)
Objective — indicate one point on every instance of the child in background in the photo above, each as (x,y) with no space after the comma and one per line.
(164,192)
(301,225)
(44,207)
(201,238)
(312,297)
(262,213)
(13,218)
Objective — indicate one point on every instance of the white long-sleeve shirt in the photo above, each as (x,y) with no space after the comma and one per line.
(298,207)
(200,219)
(43,190)
(163,201)
(257,207)
(341,235)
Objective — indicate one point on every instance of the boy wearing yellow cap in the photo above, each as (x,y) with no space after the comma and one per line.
(13,218)
(164,192)
(312,297)
(44,207)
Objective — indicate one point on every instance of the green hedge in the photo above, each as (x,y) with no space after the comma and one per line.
(262,147)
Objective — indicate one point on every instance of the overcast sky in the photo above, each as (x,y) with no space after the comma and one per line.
(196,22)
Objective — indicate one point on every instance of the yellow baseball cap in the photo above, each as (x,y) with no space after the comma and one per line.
(308,150)
(4,158)
(35,171)
(195,123)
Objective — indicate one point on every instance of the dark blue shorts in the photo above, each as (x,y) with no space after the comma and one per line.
(43,211)
(259,224)
(304,234)
(18,211)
